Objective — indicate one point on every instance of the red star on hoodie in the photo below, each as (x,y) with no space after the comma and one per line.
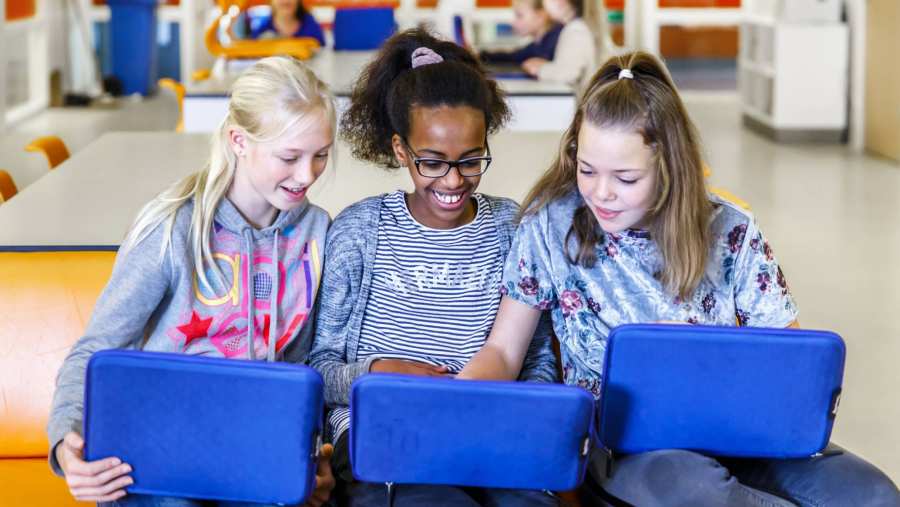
(195,329)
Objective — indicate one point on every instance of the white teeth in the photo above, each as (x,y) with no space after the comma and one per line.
(447,199)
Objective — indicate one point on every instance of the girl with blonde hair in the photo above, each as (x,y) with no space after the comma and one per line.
(621,230)
(224,263)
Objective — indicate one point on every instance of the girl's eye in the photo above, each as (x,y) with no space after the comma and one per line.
(288,160)
(432,164)
(322,155)
(627,181)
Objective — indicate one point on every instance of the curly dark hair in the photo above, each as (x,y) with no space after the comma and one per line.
(388,88)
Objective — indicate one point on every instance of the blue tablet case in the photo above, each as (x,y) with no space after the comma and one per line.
(218,429)
(417,430)
(725,391)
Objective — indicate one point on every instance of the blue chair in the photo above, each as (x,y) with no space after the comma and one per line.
(516,435)
(361,28)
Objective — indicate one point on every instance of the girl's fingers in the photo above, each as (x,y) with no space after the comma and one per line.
(78,466)
(104,490)
(113,473)
(317,500)
(325,456)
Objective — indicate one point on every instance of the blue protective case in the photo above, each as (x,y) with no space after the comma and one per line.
(727,391)
(218,429)
(417,430)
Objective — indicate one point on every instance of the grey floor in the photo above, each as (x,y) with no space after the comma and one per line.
(832,217)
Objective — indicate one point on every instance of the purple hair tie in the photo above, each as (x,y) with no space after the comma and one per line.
(425,56)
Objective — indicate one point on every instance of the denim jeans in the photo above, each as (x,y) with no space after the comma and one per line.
(165,501)
(365,494)
(352,493)
(672,478)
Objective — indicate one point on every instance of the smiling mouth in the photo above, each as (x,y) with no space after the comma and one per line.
(448,198)
(295,191)
(606,213)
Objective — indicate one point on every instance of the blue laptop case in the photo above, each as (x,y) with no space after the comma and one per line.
(417,430)
(218,429)
(728,391)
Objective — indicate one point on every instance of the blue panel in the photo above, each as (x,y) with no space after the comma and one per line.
(101,47)
(363,27)
(727,391)
(169,47)
(416,430)
(133,44)
(208,428)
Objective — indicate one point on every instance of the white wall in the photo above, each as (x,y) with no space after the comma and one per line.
(856,18)
(2,67)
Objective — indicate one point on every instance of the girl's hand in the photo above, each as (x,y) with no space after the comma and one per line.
(95,481)
(324,478)
(533,65)
(408,368)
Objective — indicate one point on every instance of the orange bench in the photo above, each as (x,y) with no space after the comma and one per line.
(46,299)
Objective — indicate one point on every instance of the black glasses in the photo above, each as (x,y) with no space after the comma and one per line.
(438,167)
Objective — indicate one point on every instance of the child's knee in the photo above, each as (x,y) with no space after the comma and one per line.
(653,477)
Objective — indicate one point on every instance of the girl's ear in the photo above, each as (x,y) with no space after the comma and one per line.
(399,150)
(238,141)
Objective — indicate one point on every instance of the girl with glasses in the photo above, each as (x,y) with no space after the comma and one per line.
(411,279)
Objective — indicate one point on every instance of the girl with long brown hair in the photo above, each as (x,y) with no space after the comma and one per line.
(621,230)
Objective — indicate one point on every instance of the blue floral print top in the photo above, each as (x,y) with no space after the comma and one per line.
(743,283)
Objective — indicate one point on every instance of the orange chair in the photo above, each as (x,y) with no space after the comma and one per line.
(52,147)
(724,194)
(728,196)
(7,186)
(201,74)
(178,89)
(301,48)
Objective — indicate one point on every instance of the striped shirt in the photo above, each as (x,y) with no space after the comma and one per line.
(434,291)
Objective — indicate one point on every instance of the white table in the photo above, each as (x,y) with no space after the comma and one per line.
(536,106)
(90,201)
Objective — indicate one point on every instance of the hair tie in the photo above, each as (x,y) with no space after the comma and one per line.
(626,73)
(425,56)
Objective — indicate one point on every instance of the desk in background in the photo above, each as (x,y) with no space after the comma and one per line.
(536,106)
(89,202)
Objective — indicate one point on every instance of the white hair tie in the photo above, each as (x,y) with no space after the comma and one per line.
(626,73)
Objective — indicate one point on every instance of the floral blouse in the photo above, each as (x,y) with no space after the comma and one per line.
(743,283)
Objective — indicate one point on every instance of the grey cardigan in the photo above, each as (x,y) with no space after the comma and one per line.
(349,258)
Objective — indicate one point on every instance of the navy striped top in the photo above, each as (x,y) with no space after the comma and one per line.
(434,291)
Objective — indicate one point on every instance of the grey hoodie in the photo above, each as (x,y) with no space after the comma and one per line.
(155,302)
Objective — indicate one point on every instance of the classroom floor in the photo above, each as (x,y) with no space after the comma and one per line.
(831,217)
